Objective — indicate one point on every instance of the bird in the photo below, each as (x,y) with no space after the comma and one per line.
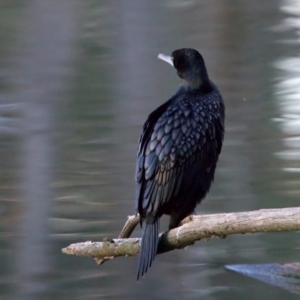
(178,151)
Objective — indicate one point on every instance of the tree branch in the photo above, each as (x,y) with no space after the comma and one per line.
(193,228)
(129,226)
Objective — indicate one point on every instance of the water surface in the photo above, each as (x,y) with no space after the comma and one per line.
(78,174)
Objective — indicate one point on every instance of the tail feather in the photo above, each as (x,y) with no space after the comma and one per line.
(148,247)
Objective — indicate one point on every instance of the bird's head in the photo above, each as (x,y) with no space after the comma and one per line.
(189,65)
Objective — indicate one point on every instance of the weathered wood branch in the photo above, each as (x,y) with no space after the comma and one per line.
(129,226)
(193,228)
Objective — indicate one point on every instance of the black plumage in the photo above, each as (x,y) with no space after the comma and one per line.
(178,151)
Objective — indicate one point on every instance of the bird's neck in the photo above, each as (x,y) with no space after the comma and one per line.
(198,83)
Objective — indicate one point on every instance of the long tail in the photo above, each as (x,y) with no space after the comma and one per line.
(148,247)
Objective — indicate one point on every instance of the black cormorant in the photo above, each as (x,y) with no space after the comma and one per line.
(178,151)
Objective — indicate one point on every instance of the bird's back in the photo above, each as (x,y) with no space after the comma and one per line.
(179,148)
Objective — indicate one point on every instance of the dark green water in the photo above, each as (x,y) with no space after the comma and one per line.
(70,118)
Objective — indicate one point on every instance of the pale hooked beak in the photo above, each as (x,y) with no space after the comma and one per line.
(166,58)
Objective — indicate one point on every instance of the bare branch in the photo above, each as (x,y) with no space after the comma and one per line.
(129,226)
(194,228)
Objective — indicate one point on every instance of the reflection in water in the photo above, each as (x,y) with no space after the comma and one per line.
(45,37)
(287,94)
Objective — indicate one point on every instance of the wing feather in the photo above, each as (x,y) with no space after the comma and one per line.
(173,140)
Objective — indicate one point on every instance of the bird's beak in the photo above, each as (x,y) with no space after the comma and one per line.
(166,58)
